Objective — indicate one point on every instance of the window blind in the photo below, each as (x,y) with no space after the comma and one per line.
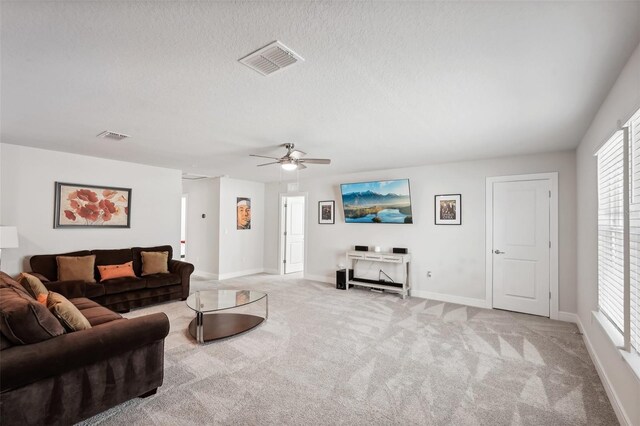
(634,231)
(611,230)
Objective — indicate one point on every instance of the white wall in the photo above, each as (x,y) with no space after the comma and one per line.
(241,251)
(454,254)
(272,226)
(28,177)
(622,101)
(203,197)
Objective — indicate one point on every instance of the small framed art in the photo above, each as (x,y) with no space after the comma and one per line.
(448,209)
(326,212)
(243,213)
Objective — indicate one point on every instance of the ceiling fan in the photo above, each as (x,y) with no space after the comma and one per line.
(293,160)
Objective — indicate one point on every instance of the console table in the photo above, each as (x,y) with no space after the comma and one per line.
(403,287)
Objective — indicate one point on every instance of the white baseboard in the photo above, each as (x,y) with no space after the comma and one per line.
(272,271)
(611,393)
(240,273)
(321,278)
(207,275)
(450,298)
(568,317)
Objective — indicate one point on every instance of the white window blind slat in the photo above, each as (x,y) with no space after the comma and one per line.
(611,230)
(634,230)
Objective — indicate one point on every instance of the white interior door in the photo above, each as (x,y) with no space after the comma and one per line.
(521,246)
(294,235)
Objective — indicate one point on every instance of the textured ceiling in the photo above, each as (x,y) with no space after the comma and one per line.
(383,85)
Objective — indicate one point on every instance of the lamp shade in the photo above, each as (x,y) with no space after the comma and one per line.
(8,237)
(289,166)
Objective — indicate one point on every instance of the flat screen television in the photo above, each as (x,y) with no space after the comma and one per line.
(383,201)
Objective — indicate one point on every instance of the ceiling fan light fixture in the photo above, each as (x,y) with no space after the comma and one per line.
(292,160)
(289,166)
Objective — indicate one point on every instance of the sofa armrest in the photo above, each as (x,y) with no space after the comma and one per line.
(184,269)
(24,364)
(69,289)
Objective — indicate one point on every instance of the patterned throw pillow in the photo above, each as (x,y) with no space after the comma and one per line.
(108,272)
(66,312)
(155,262)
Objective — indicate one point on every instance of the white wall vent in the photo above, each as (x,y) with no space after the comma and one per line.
(271,58)
(191,176)
(113,135)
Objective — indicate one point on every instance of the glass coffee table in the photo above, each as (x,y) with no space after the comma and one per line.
(213,317)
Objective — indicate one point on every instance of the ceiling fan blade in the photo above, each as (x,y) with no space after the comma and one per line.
(301,166)
(268,164)
(297,154)
(263,156)
(316,160)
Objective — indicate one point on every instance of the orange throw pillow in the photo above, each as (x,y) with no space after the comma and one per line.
(42,298)
(108,272)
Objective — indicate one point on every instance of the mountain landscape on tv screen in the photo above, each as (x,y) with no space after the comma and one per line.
(372,207)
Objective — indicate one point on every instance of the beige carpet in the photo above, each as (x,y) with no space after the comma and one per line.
(329,357)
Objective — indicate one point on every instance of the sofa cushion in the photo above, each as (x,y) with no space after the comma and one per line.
(155,262)
(162,280)
(83,303)
(47,265)
(23,320)
(137,257)
(5,343)
(94,290)
(32,284)
(93,312)
(71,268)
(122,285)
(108,272)
(147,296)
(66,312)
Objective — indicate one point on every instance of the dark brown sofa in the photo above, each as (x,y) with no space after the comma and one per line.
(119,294)
(75,375)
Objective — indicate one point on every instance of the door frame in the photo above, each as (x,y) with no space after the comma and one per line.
(281,245)
(185,197)
(552,177)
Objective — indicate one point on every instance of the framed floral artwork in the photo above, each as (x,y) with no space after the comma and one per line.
(326,212)
(93,206)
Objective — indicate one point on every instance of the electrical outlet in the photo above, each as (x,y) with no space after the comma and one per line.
(428,274)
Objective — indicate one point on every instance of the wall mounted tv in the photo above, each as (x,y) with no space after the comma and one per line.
(384,201)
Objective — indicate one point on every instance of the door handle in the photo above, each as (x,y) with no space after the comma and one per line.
(498,251)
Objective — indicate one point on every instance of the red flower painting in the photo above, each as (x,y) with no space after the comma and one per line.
(92,206)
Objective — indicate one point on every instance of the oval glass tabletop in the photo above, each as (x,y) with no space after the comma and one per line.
(217,300)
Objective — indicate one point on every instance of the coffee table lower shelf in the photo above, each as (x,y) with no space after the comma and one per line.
(219,326)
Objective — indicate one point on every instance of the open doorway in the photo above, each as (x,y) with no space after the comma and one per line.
(292,226)
(183,228)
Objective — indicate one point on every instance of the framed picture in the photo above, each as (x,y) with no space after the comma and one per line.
(91,206)
(326,212)
(448,209)
(243,213)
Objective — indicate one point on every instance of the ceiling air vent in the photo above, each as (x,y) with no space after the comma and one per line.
(190,176)
(113,135)
(271,58)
